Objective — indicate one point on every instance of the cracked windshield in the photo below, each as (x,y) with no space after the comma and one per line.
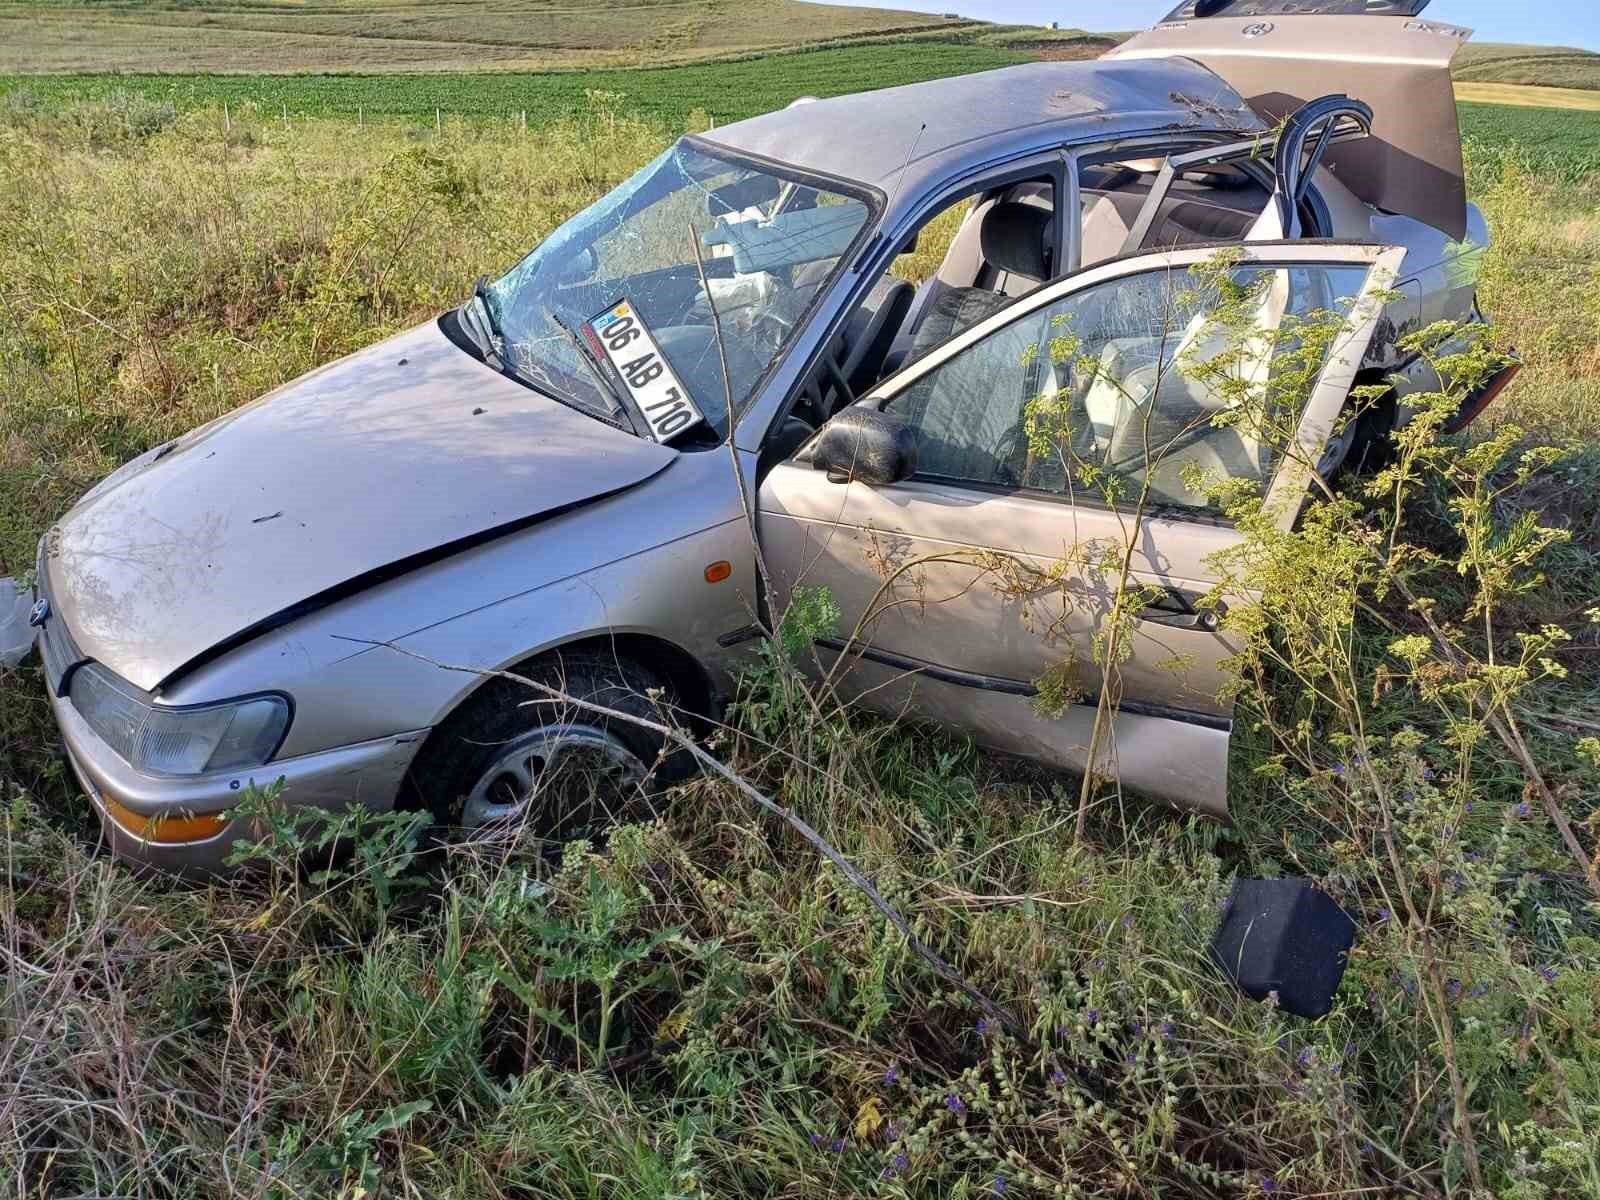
(610,313)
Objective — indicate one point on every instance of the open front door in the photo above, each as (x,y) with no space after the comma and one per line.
(972,594)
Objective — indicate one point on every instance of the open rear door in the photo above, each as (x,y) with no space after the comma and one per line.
(1397,64)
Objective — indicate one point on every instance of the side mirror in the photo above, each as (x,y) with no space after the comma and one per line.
(867,446)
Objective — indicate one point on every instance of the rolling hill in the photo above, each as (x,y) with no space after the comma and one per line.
(361,36)
(1537,66)
(281,36)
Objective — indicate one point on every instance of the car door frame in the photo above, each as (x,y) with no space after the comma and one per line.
(1147,730)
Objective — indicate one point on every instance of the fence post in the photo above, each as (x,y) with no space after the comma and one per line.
(227,121)
(437,127)
(361,116)
(286,114)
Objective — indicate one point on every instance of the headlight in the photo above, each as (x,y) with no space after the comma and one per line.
(178,741)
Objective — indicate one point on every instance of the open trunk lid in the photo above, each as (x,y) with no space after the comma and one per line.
(1411,164)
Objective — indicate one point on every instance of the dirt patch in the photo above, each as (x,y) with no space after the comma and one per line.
(1069,51)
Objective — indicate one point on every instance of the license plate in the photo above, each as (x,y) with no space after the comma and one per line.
(631,349)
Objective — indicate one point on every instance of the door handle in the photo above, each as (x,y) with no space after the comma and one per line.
(1179,610)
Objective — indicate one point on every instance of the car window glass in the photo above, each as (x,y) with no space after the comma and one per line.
(765,240)
(1171,379)
(1219,203)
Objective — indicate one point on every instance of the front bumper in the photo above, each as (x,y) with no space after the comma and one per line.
(146,817)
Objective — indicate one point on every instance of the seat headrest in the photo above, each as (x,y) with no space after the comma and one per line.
(1018,238)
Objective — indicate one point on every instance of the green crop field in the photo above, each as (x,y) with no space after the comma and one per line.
(723,91)
(1566,139)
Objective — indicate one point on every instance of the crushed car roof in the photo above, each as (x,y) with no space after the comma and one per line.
(938,128)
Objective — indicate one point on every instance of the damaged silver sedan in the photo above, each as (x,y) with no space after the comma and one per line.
(541,479)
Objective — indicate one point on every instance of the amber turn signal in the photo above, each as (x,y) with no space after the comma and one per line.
(718,571)
(166,830)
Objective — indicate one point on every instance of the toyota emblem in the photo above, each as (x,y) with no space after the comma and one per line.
(1259,29)
(39,614)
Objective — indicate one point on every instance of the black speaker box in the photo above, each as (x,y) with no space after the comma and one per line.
(1284,936)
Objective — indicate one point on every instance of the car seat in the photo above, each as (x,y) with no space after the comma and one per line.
(1005,248)
(1179,430)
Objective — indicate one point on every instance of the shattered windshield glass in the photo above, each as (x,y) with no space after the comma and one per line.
(609,312)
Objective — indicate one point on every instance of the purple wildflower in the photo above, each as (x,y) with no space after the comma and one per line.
(1452,988)
(999,1185)
(892,1075)
(1058,1077)
(895,1168)
(894,1131)
(1408,796)
(1383,915)
(982,1027)
(955,1104)
(1469,806)
(1478,989)
(837,1145)
(1549,974)
(816,1141)
(1127,920)
(1349,1049)
(1448,833)
(1427,772)
(1098,965)
(1268,1184)
(1168,1029)
(1303,1059)
(1524,809)
(1093,1016)
(1339,769)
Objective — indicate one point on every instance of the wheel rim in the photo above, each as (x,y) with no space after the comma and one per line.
(1337,450)
(563,774)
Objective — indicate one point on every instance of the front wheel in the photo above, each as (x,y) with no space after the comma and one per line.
(515,757)
(1363,445)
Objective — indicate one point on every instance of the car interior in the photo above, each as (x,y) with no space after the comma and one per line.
(1252,190)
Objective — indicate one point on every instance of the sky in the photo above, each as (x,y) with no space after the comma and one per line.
(1548,22)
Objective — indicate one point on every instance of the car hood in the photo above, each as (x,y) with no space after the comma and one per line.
(347,476)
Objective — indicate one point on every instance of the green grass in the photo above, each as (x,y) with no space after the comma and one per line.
(1565,140)
(726,91)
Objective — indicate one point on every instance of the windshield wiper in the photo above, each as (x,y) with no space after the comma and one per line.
(596,369)
(488,322)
